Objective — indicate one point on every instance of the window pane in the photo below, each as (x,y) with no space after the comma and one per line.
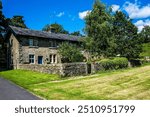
(31,58)
(30,42)
(50,58)
(54,57)
(36,43)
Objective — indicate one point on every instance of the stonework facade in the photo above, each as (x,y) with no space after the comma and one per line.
(22,53)
(38,51)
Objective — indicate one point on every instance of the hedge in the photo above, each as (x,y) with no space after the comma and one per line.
(114,63)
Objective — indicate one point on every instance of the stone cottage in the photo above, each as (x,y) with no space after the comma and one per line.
(30,47)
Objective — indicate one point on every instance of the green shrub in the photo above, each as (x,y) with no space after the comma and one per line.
(114,63)
(70,53)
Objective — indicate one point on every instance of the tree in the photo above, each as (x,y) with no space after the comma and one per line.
(99,29)
(2,20)
(145,34)
(125,33)
(2,17)
(57,28)
(1,14)
(76,33)
(17,21)
(70,53)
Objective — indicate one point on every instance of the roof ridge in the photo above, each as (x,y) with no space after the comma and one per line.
(43,34)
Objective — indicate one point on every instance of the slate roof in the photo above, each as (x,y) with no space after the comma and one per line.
(43,34)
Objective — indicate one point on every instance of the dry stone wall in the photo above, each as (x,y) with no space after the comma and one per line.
(66,69)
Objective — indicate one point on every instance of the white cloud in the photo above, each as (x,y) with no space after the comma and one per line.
(115,7)
(60,14)
(141,23)
(135,11)
(83,14)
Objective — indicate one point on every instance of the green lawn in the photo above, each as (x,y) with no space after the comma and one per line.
(26,78)
(122,84)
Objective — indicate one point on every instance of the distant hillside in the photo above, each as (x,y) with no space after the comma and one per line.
(146,50)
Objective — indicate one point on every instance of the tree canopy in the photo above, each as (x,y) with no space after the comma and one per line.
(145,34)
(99,29)
(57,28)
(2,20)
(111,34)
(14,21)
(17,21)
(125,33)
(2,17)
(76,33)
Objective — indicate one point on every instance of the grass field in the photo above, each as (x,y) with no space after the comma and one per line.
(122,84)
(26,78)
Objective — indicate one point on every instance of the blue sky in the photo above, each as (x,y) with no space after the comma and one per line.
(70,13)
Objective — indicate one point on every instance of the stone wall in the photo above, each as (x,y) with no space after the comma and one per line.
(95,67)
(50,69)
(66,69)
(74,69)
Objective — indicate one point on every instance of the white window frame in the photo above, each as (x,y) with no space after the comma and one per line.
(32,59)
(50,58)
(53,58)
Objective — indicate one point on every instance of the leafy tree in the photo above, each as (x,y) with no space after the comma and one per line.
(2,17)
(99,30)
(17,21)
(76,33)
(2,20)
(128,43)
(70,53)
(56,27)
(145,34)
(1,14)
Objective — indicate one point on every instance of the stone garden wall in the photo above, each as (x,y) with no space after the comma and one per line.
(50,69)
(74,69)
(95,67)
(66,69)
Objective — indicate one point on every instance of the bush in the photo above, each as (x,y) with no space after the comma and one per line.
(114,63)
(70,53)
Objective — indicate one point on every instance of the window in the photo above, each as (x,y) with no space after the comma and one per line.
(31,59)
(53,59)
(40,59)
(30,42)
(33,42)
(53,44)
(50,58)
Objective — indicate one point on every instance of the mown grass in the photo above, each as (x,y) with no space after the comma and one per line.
(121,84)
(25,78)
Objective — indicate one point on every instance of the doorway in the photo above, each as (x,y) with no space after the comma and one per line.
(40,59)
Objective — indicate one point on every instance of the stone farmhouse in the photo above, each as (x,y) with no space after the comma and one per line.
(30,47)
